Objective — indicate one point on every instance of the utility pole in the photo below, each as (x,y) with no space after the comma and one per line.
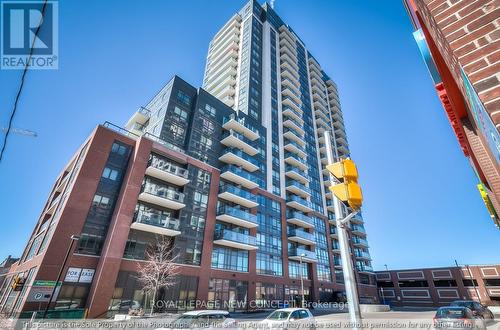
(471,279)
(74,238)
(302,279)
(347,265)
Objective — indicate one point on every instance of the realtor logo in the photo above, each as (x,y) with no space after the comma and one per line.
(29,28)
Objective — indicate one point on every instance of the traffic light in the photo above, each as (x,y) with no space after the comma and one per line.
(348,190)
(17,284)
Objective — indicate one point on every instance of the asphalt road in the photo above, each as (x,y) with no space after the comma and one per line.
(380,320)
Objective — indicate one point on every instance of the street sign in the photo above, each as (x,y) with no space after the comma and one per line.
(41,290)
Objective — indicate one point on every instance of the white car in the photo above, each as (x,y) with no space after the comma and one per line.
(300,318)
(201,319)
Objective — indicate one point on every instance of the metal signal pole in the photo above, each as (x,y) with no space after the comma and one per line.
(347,269)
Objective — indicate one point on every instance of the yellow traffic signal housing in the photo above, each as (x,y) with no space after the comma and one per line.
(17,284)
(349,190)
(345,169)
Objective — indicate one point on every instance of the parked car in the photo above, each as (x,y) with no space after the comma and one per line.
(290,317)
(476,308)
(456,317)
(125,305)
(202,319)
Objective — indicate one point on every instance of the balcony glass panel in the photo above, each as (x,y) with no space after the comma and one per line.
(162,191)
(237,213)
(235,237)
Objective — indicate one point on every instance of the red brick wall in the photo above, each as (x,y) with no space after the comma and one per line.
(466,32)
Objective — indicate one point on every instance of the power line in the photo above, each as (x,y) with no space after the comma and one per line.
(21,85)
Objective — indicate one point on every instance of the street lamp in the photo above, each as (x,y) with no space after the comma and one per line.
(74,238)
(302,278)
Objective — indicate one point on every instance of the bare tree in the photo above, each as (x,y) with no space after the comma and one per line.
(159,270)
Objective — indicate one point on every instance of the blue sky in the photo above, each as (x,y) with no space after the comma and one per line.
(422,207)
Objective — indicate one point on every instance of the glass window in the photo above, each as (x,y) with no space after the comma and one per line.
(183,98)
(109,173)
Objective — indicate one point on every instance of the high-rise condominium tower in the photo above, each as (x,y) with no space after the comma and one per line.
(233,174)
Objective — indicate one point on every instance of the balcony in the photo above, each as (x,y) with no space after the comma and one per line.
(238,124)
(156,224)
(239,158)
(299,204)
(335,246)
(294,160)
(292,104)
(358,218)
(239,196)
(333,231)
(235,240)
(166,171)
(234,139)
(362,255)
(299,219)
(298,188)
(290,113)
(295,148)
(343,150)
(299,253)
(292,135)
(357,229)
(358,241)
(301,237)
(364,268)
(236,216)
(162,196)
(240,177)
(337,262)
(296,174)
(294,125)
(141,116)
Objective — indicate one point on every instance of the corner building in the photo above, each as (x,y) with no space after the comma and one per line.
(459,43)
(233,173)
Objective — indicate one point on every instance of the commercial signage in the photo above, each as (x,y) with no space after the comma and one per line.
(79,275)
(41,290)
(482,119)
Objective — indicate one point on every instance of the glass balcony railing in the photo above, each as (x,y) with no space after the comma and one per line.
(333,230)
(360,229)
(238,192)
(298,146)
(301,234)
(240,121)
(287,98)
(163,191)
(300,216)
(234,236)
(244,174)
(358,240)
(157,220)
(362,254)
(166,166)
(301,201)
(335,246)
(237,213)
(301,126)
(144,111)
(364,268)
(294,156)
(299,252)
(285,108)
(239,136)
(293,183)
(242,154)
(337,261)
(290,168)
